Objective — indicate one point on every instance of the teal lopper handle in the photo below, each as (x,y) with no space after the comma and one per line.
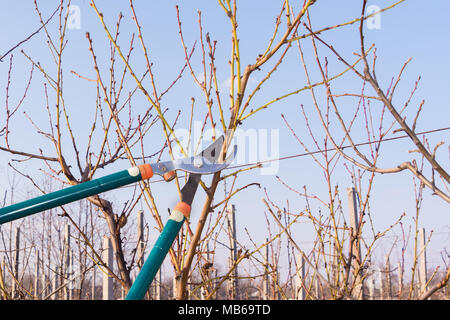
(159,252)
(74,193)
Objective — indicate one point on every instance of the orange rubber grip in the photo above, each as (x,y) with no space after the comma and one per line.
(169,176)
(184,208)
(146,171)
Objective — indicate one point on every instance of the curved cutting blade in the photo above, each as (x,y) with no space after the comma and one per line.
(206,162)
(202,165)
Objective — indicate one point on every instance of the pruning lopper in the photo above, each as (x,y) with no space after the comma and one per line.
(206,162)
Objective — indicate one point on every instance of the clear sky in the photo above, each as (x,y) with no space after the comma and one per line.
(413,29)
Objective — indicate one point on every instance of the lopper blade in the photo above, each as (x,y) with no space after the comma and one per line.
(203,163)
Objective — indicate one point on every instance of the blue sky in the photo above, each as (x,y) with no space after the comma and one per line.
(412,29)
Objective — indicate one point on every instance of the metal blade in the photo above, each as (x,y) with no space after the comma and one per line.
(203,163)
(212,152)
(194,166)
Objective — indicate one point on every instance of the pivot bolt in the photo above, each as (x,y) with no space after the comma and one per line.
(198,162)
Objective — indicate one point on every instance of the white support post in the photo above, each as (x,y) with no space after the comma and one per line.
(209,275)
(380,279)
(317,287)
(276,293)
(299,280)
(36,276)
(358,292)
(140,238)
(66,266)
(16,264)
(44,282)
(388,278)
(107,257)
(3,278)
(371,285)
(266,272)
(215,282)
(55,283)
(422,261)
(233,282)
(336,264)
(158,283)
(70,276)
(93,284)
(400,280)
(174,287)
(203,293)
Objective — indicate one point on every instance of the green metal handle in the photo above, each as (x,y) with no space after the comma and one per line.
(70,194)
(159,252)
